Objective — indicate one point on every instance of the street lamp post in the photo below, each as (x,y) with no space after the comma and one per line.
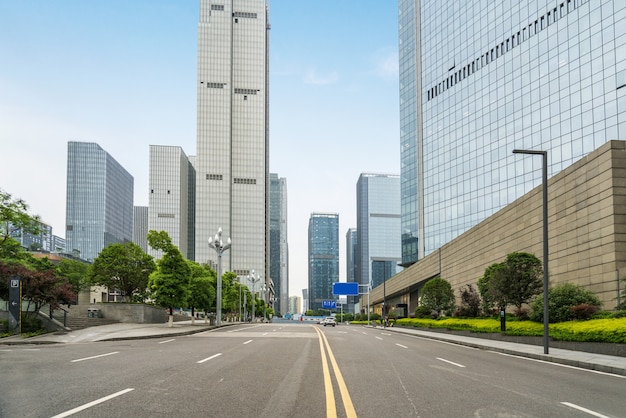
(254,280)
(544,155)
(239,280)
(264,289)
(219,247)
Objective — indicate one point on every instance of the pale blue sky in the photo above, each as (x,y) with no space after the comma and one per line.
(123,74)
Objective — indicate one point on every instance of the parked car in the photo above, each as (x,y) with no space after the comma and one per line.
(329,320)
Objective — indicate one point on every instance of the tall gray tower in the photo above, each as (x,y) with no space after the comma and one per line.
(232,168)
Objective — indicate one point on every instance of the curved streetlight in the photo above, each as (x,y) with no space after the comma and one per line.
(219,247)
(254,280)
(544,155)
(264,288)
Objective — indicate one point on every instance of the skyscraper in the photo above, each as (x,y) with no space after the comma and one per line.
(279,250)
(378,228)
(99,204)
(481,78)
(140,227)
(172,180)
(323,257)
(232,182)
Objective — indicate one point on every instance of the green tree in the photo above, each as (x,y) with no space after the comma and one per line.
(437,295)
(123,266)
(14,217)
(517,281)
(491,297)
(76,272)
(202,288)
(170,283)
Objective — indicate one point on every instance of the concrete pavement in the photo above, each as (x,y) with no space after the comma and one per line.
(114,332)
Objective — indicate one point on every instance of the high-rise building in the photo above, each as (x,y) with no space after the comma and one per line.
(140,227)
(232,183)
(279,251)
(483,78)
(323,257)
(99,204)
(351,250)
(378,250)
(171,182)
(295,304)
(43,241)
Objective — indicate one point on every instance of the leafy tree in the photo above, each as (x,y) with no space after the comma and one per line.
(490,297)
(562,299)
(76,272)
(14,216)
(123,266)
(437,295)
(170,283)
(515,281)
(202,288)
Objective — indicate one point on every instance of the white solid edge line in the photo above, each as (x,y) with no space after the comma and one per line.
(567,366)
(450,362)
(93,403)
(210,358)
(93,357)
(589,411)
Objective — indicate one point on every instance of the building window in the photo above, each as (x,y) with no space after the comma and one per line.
(214,177)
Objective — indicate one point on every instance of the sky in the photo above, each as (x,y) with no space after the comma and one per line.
(122,74)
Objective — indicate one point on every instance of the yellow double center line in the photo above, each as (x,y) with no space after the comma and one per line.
(331,408)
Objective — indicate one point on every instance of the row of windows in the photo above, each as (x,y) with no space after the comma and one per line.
(210,85)
(514,40)
(244,181)
(220,7)
(214,85)
(246,91)
(165,215)
(236,180)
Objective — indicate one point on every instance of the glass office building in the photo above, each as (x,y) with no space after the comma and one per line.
(378,228)
(279,250)
(232,158)
(323,258)
(480,78)
(99,204)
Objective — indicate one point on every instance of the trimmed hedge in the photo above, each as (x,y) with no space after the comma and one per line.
(607,330)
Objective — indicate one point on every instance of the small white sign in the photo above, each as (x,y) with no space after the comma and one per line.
(15,283)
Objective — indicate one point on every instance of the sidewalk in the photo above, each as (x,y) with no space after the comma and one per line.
(599,362)
(113,332)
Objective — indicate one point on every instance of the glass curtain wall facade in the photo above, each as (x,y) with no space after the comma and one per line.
(279,255)
(323,258)
(168,200)
(140,227)
(351,249)
(378,228)
(99,204)
(232,177)
(496,76)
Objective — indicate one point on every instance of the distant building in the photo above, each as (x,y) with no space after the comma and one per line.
(305,300)
(295,305)
(140,227)
(171,179)
(232,159)
(34,242)
(99,205)
(58,244)
(323,257)
(279,250)
(378,249)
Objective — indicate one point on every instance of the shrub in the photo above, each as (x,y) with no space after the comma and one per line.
(470,302)
(437,294)
(423,312)
(521,313)
(561,299)
(583,311)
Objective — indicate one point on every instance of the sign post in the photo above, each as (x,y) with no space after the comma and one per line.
(15,304)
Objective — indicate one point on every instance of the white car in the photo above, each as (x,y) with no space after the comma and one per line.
(329,320)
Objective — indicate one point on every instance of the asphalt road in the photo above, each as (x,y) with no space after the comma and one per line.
(295,370)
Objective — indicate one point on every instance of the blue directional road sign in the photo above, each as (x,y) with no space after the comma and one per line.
(329,304)
(346,289)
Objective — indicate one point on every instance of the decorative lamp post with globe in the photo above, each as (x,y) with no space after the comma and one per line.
(219,247)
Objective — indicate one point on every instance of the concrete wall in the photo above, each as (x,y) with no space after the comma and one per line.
(132,313)
(586,235)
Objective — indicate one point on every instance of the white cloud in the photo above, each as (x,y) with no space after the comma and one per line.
(312,77)
(386,63)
